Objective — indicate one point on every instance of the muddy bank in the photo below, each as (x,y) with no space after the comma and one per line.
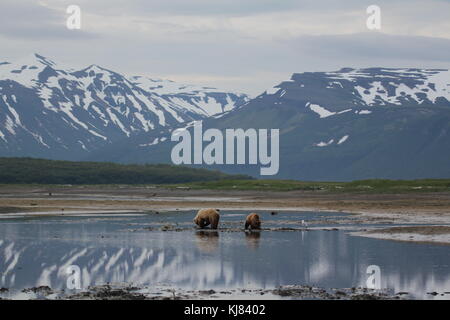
(146,198)
(426,234)
(129,292)
(422,230)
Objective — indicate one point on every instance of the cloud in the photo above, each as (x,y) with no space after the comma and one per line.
(242,45)
(206,7)
(33,20)
(374,48)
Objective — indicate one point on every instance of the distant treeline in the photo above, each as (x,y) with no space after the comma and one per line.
(41,171)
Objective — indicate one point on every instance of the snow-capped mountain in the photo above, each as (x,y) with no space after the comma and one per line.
(206,101)
(370,87)
(344,125)
(53,111)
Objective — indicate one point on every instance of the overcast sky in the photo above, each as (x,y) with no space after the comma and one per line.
(240,45)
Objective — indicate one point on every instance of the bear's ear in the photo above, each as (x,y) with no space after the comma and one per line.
(218,210)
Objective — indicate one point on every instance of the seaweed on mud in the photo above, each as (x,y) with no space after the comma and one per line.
(305,292)
(107,292)
(206,292)
(128,292)
(44,290)
(308,292)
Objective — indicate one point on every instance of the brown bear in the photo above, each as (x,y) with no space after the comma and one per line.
(206,217)
(253,221)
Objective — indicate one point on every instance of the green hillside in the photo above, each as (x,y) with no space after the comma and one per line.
(40,171)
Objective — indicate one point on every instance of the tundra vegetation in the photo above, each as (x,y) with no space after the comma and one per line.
(24,171)
(40,171)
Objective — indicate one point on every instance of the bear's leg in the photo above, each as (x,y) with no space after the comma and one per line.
(214,222)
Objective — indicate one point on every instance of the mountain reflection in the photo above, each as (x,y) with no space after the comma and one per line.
(210,259)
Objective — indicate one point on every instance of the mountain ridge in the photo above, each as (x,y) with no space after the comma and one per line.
(62,113)
(349,124)
(335,133)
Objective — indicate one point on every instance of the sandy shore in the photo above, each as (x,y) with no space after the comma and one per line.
(426,234)
(376,209)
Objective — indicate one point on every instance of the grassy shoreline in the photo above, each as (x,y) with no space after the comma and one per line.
(361,186)
(381,186)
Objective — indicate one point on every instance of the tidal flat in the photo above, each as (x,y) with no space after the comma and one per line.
(162,255)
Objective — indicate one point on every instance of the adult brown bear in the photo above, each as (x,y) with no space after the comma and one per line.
(253,221)
(206,217)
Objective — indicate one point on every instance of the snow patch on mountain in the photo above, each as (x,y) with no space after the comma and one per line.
(343,139)
(394,86)
(324,144)
(322,112)
(331,141)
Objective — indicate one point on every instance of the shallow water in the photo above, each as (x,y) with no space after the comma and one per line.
(37,251)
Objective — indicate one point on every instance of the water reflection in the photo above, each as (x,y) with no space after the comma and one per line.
(252,239)
(38,252)
(207,241)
